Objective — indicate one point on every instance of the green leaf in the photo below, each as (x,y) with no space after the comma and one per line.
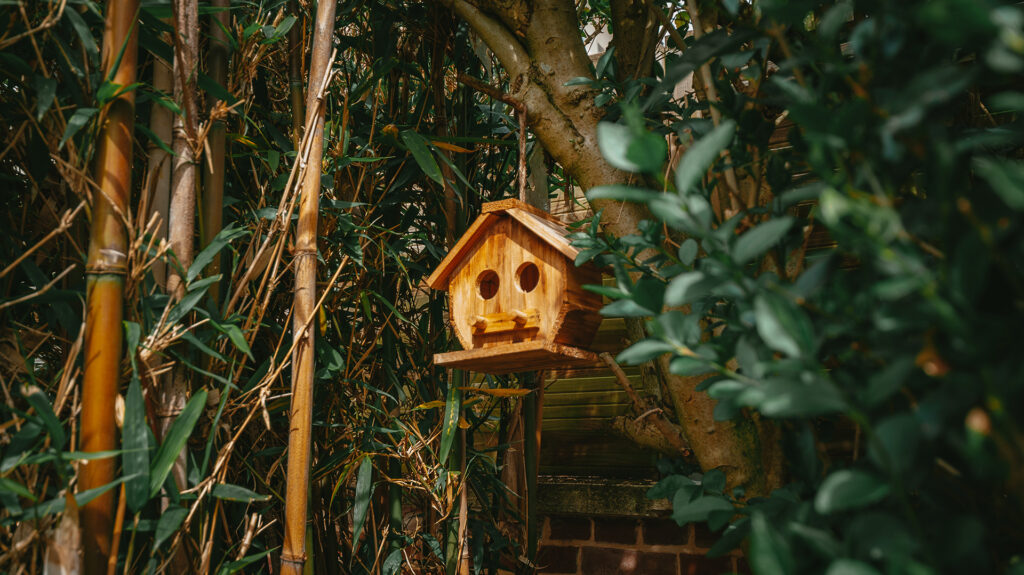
(211,251)
(614,141)
(393,563)
(170,521)
(688,288)
(850,567)
(688,251)
(699,509)
(604,63)
(1006,179)
(241,564)
(782,325)
(452,409)
(687,366)
(626,308)
(364,490)
(713,481)
(82,29)
(185,305)
(135,438)
(759,239)
(11,486)
(231,492)
(421,153)
(701,155)
(77,121)
(37,399)
(769,554)
(46,90)
(667,487)
(621,193)
(849,489)
(174,442)
(644,351)
(647,151)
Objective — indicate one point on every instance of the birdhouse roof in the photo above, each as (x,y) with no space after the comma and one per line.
(542,224)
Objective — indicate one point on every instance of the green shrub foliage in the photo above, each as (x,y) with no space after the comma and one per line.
(887,352)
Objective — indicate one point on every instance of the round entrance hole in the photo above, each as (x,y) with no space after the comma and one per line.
(528,276)
(487,284)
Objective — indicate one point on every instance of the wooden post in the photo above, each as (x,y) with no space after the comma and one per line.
(105,273)
(293,554)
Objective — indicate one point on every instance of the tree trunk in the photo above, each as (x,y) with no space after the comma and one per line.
(106,270)
(293,554)
(539,46)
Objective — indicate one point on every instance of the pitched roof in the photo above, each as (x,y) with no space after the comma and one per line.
(542,224)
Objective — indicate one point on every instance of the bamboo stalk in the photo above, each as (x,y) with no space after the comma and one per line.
(213,190)
(181,221)
(293,554)
(106,270)
(295,53)
(158,165)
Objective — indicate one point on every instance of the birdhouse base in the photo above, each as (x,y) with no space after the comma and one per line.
(524,356)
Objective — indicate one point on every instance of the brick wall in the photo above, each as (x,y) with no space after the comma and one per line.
(578,545)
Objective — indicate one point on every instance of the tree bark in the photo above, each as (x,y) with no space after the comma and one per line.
(106,269)
(540,48)
(293,554)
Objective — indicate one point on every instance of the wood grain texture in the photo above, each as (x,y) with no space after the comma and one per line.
(535,354)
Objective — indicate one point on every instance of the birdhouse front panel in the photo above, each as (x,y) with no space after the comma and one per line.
(517,301)
(508,290)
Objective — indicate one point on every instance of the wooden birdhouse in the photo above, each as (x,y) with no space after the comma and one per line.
(517,298)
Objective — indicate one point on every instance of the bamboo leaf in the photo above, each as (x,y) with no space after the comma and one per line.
(421,153)
(453,406)
(211,251)
(170,520)
(177,437)
(37,399)
(135,438)
(77,121)
(46,90)
(364,490)
(230,492)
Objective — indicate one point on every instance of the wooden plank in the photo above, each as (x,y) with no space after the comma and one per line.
(553,234)
(439,279)
(513,203)
(505,321)
(531,355)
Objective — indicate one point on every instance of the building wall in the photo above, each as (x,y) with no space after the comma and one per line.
(576,545)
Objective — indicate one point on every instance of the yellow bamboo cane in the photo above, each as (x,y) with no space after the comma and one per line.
(293,555)
(106,269)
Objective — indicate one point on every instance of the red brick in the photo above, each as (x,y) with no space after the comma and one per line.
(658,564)
(665,532)
(615,530)
(567,527)
(699,565)
(605,561)
(557,559)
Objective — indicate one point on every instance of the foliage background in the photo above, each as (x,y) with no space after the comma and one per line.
(904,146)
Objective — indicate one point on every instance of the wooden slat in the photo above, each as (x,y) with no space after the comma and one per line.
(529,355)
(439,279)
(546,230)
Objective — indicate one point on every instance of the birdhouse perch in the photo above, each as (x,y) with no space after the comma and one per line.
(517,298)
